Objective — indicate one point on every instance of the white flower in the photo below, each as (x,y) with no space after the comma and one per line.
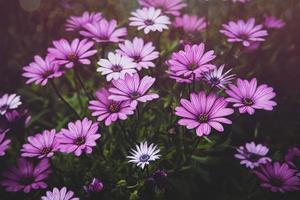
(215,78)
(116,66)
(57,194)
(143,154)
(9,102)
(149,19)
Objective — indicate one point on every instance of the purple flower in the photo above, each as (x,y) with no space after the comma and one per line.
(4,143)
(271,22)
(61,194)
(190,23)
(149,19)
(41,145)
(41,70)
(248,97)
(278,177)
(293,157)
(104,31)
(193,61)
(9,102)
(252,47)
(203,112)
(116,66)
(240,1)
(216,78)
(171,7)
(95,186)
(141,53)
(179,78)
(80,137)
(133,89)
(109,110)
(76,52)
(78,22)
(25,176)
(252,155)
(244,32)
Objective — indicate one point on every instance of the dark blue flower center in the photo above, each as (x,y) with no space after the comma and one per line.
(137,58)
(214,81)
(116,68)
(243,36)
(72,57)
(47,73)
(80,140)
(4,107)
(134,95)
(144,158)
(248,102)
(203,118)
(193,66)
(26,180)
(114,107)
(148,22)
(46,150)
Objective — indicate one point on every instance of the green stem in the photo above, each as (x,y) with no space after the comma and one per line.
(81,84)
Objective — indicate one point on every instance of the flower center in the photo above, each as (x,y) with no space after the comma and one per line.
(148,22)
(46,150)
(252,156)
(80,140)
(144,158)
(203,118)
(137,58)
(276,182)
(215,81)
(248,102)
(4,107)
(72,57)
(193,66)
(134,95)
(47,73)
(243,36)
(116,68)
(26,180)
(114,107)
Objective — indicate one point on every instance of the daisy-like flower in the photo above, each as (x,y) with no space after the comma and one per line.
(133,89)
(141,53)
(216,78)
(144,154)
(80,137)
(25,176)
(203,113)
(59,194)
(116,66)
(41,145)
(68,54)
(244,32)
(190,23)
(9,102)
(252,155)
(149,19)
(77,22)
(104,31)
(293,157)
(193,61)
(278,177)
(4,143)
(108,110)
(179,78)
(95,186)
(171,7)
(248,97)
(41,70)
(272,22)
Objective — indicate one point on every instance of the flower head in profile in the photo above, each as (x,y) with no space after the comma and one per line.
(41,70)
(216,77)
(59,194)
(9,102)
(80,137)
(244,32)
(253,155)
(190,23)
(192,61)
(278,177)
(25,176)
(108,110)
(293,157)
(133,89)
(271,22)
(246,96)
(4,143)
(104,31)
(70,54)
(203,112)
(95,186)
(171,7)
(142,53)
(41,145)
(78,22)
(116,66)
(144,154)
(149,19)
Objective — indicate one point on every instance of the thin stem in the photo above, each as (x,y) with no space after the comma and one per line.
(81,84)
(103,51)
(62,99)
(194,81)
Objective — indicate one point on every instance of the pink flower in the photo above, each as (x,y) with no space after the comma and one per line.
(25,176)
(216,77)
(4,143)
(141,53)
(244,32)
(292,157)
(80,137)
(203,112)
(272,22)
(171,7)
(133,89)
(41,70)
(76,52)
(108,110)
(9,102)
(193,60)
(61,194)
(149,19)
(248,97)
(41,145)
(78,22)
(190,23)
(104,31)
